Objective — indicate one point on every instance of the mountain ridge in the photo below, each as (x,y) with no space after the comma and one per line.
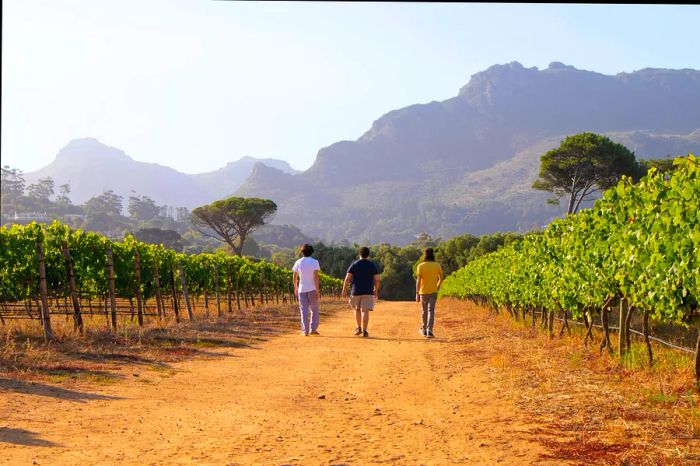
(463,164)
(395,171)
(91,167)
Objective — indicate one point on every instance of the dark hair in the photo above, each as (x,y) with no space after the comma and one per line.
(307,250)
(429,255)
(364,252)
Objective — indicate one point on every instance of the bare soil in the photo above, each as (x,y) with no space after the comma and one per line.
(482,392)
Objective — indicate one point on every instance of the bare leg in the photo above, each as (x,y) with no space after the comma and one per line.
(365,319)
(358,318)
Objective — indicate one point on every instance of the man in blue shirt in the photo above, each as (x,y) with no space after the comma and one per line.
(364,276)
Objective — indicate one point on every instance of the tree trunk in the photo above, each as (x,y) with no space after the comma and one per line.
(588,318)
(628,322)
(137,279)
(183,281)
(106,304)
(45,317)
(28,307)
(112,296)
(216,290)
(622,341)
(159,296)
(543,317)
(238,293)
(173,287)
(645,330)
(262,288)
(551,323)
(77,316)
(606,332)
(565,324)
(697,362)
(228,293)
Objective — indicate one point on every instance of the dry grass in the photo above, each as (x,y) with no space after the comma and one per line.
(102,357)
(592,408)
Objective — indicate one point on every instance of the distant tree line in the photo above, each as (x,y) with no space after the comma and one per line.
(397,264)
(105,213)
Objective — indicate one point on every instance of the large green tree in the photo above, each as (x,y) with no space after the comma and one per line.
(231,220)
(168,238)
(107,203)
(142,208)
(40,193)
(582,165)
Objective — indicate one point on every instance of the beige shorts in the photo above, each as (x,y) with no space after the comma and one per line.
(364,302)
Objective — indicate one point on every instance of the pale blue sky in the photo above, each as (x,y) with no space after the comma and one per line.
(195,84)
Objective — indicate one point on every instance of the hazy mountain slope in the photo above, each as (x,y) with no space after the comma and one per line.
(467,163)
(464,164)
(224,181)
(90,168)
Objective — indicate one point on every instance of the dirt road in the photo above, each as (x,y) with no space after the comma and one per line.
(393,398)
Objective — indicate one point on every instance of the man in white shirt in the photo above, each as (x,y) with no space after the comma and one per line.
(307,289)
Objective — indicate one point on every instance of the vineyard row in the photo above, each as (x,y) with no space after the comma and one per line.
(39,264)
(636,250)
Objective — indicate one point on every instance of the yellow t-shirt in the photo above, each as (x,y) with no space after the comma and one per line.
(428,272)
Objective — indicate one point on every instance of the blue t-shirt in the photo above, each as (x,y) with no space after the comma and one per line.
(363,272)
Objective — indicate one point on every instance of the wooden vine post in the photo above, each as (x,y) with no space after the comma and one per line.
(183,281)
(262,286)
(112,297)
(173,287)
(628,322)
(137,279)
(77,317)
(216,290)
(238,293)
(228,293)
(645,331)
(159,296)
(622,342)
(45,318)
(252,296)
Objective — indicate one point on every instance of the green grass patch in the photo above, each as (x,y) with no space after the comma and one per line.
(665,359)
(97,377)
(163,370)
(661,397)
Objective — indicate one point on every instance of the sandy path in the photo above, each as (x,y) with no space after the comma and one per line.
(394,398)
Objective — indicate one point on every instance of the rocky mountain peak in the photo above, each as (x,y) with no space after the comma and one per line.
(90,149)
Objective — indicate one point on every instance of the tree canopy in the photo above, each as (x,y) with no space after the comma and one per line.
(582,165)
(142,207)
(231,220)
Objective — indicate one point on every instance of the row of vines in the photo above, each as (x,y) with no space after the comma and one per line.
(40,263)
(636,250)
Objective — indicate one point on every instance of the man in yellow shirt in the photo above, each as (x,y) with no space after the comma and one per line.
(428,281)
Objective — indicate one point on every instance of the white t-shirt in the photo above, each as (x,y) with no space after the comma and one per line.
(305,267)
